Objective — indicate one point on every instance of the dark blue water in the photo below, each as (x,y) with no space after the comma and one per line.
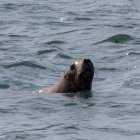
(40,39)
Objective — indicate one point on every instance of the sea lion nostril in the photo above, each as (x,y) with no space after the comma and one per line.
(86,60)
(87,65)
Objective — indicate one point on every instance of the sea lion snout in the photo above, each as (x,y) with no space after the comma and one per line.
(84,75)
(87,60)
(87,65)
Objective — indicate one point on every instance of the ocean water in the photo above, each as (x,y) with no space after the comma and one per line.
(39,39)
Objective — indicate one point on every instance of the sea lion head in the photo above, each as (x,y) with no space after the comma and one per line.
(79,75)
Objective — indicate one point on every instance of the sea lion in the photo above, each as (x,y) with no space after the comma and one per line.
(78,77)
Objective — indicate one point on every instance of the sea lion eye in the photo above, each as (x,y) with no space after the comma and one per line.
(72,67)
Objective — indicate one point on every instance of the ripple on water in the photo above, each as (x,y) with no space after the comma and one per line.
(119,131)
(55,42)
(133,53)
(46,51)
(133,83)
(9,6)
(119,38)
(8,111)
(108,69)
(24,63)
(4,86)
(65,56)
(70,104)
(83,18)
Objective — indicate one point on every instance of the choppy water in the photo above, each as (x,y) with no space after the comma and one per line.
(39,39)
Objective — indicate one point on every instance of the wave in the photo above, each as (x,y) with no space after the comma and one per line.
(107,69)
(55,42)
(64,56)
(119,38)
(4,86)
(83,18)
(133,53)
(45,51)
(133,83)
(9,6)
(24,63)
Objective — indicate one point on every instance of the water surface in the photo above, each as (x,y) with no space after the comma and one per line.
(40,39)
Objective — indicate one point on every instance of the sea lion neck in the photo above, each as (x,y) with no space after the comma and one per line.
(63,85)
